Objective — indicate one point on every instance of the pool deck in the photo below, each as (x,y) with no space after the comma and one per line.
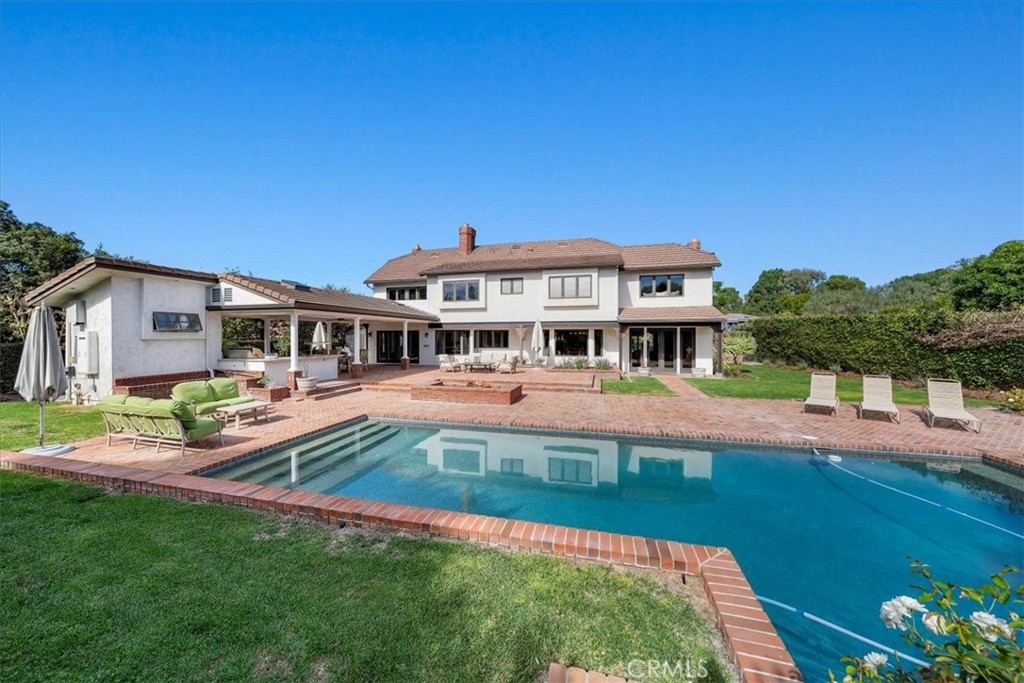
(551,401)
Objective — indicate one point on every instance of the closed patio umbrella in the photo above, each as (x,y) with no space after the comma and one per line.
(41,375)
(320,337)
(537,342)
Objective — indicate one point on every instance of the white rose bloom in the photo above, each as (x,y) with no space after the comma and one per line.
(990,626)
(874,660)
(895,612)
(936,623)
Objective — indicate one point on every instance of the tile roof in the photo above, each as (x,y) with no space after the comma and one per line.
(491,257)
(325,299)
(650,314)
(93,263)
(571,253)
(667,255)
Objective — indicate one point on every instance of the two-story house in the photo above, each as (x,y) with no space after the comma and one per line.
(594,299)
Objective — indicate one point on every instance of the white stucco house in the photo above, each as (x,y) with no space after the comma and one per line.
(133,325)
(594,299)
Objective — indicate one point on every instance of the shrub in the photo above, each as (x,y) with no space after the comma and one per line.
(603,364)
(10,357)
(1015,400)
(738,344)
(979,647)
(734,370)
(980,350)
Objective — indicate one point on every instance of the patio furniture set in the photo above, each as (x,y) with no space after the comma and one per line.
(945,399)
(195,411)
(449,363)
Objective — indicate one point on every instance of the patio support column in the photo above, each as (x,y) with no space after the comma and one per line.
(718,353)
(643,350)
(590,344)
(266,336)
(330,335)
(472,342)
(624,359)
(356,368)
(293,368)
(551,345)
(405,345)
(679,350)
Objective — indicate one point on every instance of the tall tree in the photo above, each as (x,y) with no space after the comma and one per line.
(841,283)
(778,290)
(994,282)
(727,299)
(30,254)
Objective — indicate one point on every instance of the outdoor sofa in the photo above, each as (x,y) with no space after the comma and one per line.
(159,421)
(208,396)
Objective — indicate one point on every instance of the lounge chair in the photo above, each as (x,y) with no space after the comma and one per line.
(823,392)
(507,365)
(878,397)
(446,364)
(946,402)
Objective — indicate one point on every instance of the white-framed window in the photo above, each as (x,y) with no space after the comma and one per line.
(570,286)
(176,322)
(661,285)
(511,285)
(461,290)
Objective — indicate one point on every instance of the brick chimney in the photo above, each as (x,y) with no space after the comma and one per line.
(695,244)
(467,239)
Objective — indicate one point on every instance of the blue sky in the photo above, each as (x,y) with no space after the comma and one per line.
(314,142)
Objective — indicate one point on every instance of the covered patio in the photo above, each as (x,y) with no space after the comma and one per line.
(296,303)
(680,340)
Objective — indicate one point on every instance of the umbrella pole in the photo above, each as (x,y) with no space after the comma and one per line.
(42,421)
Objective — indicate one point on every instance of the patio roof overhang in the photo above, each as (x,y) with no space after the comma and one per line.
(674,315)
(318,312)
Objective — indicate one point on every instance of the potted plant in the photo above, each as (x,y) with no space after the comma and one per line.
(264,381)
(305,383)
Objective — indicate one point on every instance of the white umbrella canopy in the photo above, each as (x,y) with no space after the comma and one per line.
(537,341)
(41,376)
(320,337)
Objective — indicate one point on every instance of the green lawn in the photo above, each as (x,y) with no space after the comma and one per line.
(19,424)
(106,587)
(636,385)
(764,381)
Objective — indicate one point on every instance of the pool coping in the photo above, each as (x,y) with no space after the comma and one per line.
(754,646)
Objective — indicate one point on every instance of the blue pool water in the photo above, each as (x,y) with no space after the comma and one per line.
(825,536)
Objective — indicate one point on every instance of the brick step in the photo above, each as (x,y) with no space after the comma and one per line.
(328,389)
(336,392)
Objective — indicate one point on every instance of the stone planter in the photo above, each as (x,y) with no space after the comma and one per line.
(305,383)
(644,372)
(697,372)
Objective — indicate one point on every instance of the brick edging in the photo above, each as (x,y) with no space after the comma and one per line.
(754,645)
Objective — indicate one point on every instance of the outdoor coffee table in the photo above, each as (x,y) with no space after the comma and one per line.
(480,366)
(251,409)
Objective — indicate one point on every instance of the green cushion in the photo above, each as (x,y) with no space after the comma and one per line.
(202,428)
(223,387)
(193,392)
(206,408)
(236,401)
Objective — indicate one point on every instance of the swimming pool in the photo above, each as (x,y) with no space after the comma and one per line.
(830,536)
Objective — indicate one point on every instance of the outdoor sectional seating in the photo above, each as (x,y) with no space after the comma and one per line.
(207,396)
(159,421)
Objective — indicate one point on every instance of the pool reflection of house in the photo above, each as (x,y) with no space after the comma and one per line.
(628,470)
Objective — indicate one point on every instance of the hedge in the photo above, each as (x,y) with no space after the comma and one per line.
(905,344)
(10,357)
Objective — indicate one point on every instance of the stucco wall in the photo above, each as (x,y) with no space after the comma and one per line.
(698,289)
(137,349)
(98,320)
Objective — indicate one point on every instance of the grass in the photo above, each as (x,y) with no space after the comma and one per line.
(116,587)
(765,381)
(19,424)
(636,385)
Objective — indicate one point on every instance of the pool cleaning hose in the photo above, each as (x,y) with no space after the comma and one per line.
(832,460)
(840,629)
